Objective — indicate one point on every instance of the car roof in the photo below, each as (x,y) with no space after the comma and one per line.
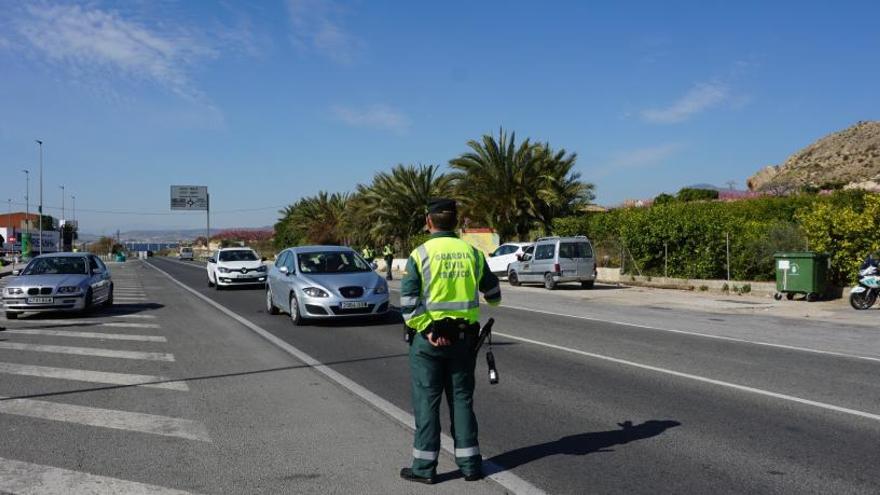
(235,249)
(317,249)
(516,244)
(63,255)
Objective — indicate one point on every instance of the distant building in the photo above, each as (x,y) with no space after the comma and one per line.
(18,220)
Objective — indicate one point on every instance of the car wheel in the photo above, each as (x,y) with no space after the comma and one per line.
(109,301)
(210,282)
(270,306)
(88,302)
(513,279)
(588,284)
(295,315)
(549,283)
(217,285)
(10,315)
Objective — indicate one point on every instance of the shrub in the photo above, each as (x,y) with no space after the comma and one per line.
(689,194)
(704,288)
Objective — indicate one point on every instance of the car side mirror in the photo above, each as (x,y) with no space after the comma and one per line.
(264,258)
(519,257)
(491,255)
(374,265)
(16,273)
(211,260)
(284,270)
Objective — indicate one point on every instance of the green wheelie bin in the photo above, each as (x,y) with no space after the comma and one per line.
(801,272)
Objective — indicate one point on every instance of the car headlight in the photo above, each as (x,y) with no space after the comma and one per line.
(68,289)
(12,291)
(315,292)
(223,270)
(261,268)
(382,289)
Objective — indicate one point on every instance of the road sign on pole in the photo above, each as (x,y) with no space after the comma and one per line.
(189,198)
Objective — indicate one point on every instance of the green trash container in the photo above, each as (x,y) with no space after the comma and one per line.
(120,256)
(801,272)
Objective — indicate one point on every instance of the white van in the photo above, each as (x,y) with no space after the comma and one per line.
(556,260)
(185,253)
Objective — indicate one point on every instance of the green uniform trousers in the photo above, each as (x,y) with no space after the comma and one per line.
(435,370)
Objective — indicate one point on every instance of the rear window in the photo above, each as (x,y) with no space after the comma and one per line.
(575,250)
(186,250)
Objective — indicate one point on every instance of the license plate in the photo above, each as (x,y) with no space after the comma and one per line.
(39,300)
(353,305)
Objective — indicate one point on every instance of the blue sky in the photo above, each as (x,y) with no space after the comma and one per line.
(268,101)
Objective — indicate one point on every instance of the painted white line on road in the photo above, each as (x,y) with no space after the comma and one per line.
(24,478)
(686,332)
(743,388)
(145,317)
(93,376)
(493,471)
(71,323)
(699,334)
(114,324)
(129,299)
(105,418)
(87,335)
(88,351)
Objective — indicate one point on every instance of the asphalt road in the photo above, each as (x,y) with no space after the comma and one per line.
(595,407)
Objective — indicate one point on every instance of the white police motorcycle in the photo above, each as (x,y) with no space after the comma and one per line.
(864,294)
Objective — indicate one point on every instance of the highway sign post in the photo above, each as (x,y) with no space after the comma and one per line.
(193,198)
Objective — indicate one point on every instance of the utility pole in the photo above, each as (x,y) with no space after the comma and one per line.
(74,209)
(27,208)
(62,202)
(208,212)
(727,238)
(40,209)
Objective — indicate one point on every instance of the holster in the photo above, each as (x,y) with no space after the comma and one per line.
(453,329)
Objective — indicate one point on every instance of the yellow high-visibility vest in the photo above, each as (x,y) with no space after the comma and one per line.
(451,270)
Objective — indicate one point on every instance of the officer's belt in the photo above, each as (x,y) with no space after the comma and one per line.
(452,329)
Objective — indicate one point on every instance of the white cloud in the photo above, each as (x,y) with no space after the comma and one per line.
(700,98)
(317,25)
(373,116)
(642,157)
(91,42)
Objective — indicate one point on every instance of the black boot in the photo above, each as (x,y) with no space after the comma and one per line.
(474,476)
(407,474)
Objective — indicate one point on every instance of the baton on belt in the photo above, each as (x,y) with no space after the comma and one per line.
(486,334)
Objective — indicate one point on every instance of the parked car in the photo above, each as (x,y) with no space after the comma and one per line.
(321,282)
(235,266)
(59,282)
(556,260)
(507,253)
(185,253)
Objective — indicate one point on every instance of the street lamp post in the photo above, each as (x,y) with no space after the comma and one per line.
(40,209)
(27,200)
(62,202)
(74,208)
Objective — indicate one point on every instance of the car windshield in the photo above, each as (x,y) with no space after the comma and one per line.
(186,250)
(57,266)
(238,255)
(575,250)
(332,262)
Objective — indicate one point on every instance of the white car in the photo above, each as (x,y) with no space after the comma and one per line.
(506,254)
(185,253)
(235,266)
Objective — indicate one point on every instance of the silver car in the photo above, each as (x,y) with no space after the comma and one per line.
(59,282)
(321,282)
(556,260)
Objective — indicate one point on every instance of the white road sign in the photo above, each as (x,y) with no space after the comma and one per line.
(189,197)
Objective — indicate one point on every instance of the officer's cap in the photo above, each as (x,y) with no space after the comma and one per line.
(442,205)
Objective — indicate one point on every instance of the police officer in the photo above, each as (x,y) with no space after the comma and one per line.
(388,254)
(367,253)
(439,299)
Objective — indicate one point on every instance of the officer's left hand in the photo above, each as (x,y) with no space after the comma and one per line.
(438,341)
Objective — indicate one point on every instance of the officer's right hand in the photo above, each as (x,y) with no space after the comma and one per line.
(438,341)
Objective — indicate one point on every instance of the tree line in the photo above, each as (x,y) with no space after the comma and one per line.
(515,188)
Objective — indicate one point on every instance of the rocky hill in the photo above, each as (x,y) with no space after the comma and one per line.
(850,157)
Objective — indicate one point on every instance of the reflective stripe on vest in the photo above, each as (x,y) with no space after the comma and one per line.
(451,270)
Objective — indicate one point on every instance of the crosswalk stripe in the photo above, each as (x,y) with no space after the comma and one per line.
(88,351)
(127,299)
(146,317)
(93,376)
(24,478)
(114,324)
(105,418)
(88,335)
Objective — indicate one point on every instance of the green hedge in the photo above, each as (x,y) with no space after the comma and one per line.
(694,234)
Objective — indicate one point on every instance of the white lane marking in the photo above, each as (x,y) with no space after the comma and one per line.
(129,299)
(129,325)
(24,478)
(695,334)
(105,418)
(87,335)
(93,376)
(145,317)
(88,351)
(743,388)
(698,334)
(495,472)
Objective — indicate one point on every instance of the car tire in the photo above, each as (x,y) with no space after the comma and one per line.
(588,284)
(270,306)
(217,285)
(11,315)
(210,283)
(109,302)
(513,279)
(87,305)
(295,315)
(549,283)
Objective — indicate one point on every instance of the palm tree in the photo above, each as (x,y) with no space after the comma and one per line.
(516,189)
(319,219)
(394,203)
